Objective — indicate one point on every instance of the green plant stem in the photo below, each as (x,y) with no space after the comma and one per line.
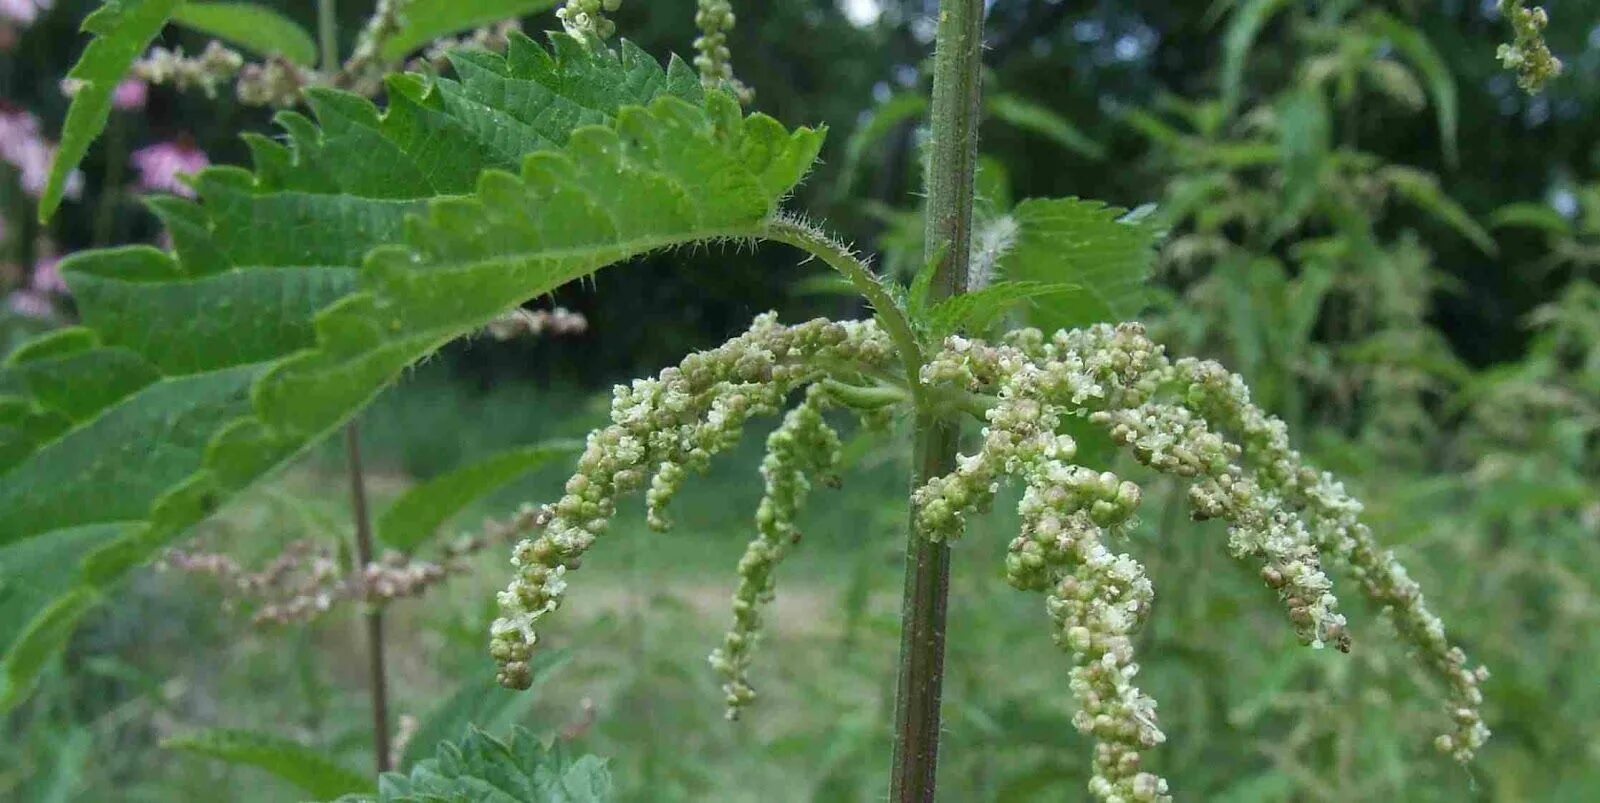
(378,674)
(815,242)
(328,35)
(952,165)
(105,221)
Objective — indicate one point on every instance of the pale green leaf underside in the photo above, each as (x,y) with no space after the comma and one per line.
(1086,244)
(297,292)
(306,767)
(419,513)
(122,30)
(256,28)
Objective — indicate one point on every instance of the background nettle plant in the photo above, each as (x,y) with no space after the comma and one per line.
(1003,344)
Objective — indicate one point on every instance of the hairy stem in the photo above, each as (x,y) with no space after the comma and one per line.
(951,168)
(836,256)
(378,679)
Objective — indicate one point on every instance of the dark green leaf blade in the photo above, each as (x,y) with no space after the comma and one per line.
(306,767)
(256,28)
(1086,244)
(122,30)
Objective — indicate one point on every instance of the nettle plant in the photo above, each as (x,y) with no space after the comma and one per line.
(296,291)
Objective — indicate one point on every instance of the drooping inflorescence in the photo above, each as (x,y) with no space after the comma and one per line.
(662,429)
(1188,418)
(801,449)
(715,19)
(1527,54)
(1177,418)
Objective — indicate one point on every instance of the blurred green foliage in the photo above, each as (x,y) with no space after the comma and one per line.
(1330,239)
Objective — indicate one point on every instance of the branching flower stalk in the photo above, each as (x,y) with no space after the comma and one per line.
(1187,418)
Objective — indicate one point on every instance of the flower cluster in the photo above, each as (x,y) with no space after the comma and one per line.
(715,19)
(522,322)
(365,67)
(1177,418)
(1527,55)
(30,154)
(587,18)
(662,429)
(1187,418)
(802,447)
(217,64)
(164,166)
(306,580)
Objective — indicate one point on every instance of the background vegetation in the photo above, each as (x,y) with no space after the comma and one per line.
(1368,219)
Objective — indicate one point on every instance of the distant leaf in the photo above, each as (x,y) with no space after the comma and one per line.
(1531,216)
(418,514)
(256,28)
(1415,47)
(1030,116)
(306,767)
(1423,191)
(122,30)
(483,769)
(878,125)
(359,246)
(978,311)
(482,703)
(1245,25)
(427,20)
(1305,133)
(1086,244)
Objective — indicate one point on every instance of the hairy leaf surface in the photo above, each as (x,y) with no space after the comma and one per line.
(1102,250)
(298,291)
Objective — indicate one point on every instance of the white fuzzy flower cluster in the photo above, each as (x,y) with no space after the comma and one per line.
(802,447)
(715,19)
(215,65)
(1178,418)
(661,429)
(587,18)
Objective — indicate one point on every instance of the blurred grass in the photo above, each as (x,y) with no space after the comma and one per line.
(1249,715)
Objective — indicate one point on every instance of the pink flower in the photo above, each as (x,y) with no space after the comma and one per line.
(22,147)
(47,277)
(130,95)
(22,12)
(30,304)
(162,165)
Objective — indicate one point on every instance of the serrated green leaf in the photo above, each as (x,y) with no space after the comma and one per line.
(306,767)
(427,20)
(256,28)
(298,292)
(419,513)
(1086,244)
(122,30)
(1423,191)
(483,769)
(1030,116)
(1415,48)
(1243,28)
(978,310)
(482,703)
